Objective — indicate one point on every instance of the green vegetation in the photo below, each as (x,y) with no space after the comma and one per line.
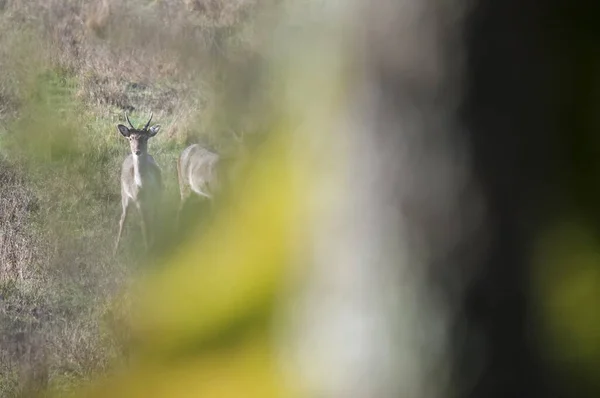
(70,70)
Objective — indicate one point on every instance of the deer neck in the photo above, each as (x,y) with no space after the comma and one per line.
(140,168)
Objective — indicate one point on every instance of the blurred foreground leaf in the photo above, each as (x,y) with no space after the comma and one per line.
(201,326)
(243,371)
(232,272)
(567,281)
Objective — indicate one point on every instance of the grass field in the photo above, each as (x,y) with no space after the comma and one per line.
(70,71)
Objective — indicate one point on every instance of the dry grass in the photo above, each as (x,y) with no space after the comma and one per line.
(70,71)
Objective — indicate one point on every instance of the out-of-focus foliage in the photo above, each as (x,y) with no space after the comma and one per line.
(566,287)
(201,325)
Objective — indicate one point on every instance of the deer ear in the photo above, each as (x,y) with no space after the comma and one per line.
(124,130)
(153,130)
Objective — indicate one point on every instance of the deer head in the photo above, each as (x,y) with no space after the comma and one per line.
(138,138)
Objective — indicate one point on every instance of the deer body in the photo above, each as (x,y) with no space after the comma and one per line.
(197,172)
(141,179)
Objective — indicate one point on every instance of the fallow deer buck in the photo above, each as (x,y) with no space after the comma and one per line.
(141,179)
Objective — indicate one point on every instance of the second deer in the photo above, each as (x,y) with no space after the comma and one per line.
(141,179)
(197,172)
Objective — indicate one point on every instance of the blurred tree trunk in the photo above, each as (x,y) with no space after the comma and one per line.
(467,131)
(399,215)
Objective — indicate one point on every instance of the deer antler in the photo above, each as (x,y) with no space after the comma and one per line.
(148,124)
(129,121)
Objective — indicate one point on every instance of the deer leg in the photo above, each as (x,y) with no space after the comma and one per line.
(121,224)
(144,224)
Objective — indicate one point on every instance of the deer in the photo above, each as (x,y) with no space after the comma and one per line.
(197,173)
(206,173)
(141,178)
